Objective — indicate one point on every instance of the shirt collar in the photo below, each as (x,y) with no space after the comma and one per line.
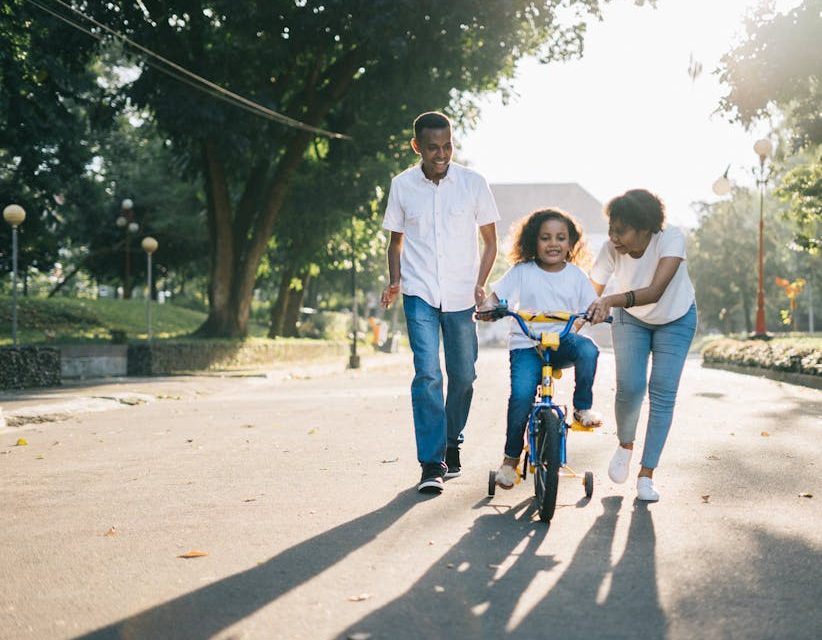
(448,176)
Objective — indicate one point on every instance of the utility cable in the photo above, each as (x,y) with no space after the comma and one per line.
(186,76)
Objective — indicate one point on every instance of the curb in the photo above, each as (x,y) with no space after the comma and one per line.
(801,379)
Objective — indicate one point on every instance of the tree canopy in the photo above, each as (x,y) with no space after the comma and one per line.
(364,69)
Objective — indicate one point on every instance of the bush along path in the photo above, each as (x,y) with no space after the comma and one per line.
(798,362)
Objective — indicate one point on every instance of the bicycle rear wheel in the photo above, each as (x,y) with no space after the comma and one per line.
(546,472)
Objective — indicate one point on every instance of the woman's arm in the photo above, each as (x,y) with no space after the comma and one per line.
(665,271)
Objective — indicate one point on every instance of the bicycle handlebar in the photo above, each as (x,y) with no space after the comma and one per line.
(502,310)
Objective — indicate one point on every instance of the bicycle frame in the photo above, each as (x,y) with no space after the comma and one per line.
(547,342)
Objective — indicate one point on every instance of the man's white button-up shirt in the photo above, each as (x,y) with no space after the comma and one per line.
(439,223)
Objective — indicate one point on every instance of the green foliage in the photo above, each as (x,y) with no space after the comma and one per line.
(722,262)
(779,63)
(783,355)
(49,102)
(801,188)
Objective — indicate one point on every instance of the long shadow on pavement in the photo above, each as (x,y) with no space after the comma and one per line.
(205,612)
(494,583)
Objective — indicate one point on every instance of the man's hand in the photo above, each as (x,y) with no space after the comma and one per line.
(479,295)
(389,294)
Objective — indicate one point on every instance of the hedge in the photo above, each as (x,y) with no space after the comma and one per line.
(22,367)
(203,355)
(779,356)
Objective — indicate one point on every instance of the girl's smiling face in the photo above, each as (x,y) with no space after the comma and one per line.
(553,245)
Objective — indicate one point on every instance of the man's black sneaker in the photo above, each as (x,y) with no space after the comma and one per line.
(432,478)
(452,461)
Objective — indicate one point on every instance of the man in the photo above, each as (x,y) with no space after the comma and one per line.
(433,212)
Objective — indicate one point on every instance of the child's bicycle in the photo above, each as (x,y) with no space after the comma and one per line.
(546,444)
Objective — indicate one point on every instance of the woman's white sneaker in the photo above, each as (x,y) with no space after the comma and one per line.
(645,489)
(618,469)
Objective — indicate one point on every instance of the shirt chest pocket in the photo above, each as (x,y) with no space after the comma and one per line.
(418,223)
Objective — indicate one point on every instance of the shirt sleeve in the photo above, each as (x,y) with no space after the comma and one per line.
(507,287)
(586,292)
(672,243)
(394,219)
(604,264)
(486,211)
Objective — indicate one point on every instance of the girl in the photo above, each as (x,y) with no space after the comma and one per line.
(657,318)
(544,278)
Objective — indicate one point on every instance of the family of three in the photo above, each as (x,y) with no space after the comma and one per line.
(435,214)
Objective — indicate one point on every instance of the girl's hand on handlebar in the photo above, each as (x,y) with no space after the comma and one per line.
(598,311)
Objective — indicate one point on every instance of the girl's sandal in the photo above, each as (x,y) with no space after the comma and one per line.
(588,418)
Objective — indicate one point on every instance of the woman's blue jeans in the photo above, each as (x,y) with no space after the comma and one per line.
(667,345)
(439,423)
(526,375)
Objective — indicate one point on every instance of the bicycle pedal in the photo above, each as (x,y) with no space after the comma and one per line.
(578,426)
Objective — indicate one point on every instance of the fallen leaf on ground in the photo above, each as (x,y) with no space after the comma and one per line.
(359,635)
(713,457)
(311,432)
(438,588)
(805,494)
(247,426)
(706,498)
(21,442)
(764,434)
(250,500)
(450,565)
(359,598)
(392,460)
(193,554)
(111,532)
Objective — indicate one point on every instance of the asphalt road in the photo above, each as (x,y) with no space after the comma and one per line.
(300,490)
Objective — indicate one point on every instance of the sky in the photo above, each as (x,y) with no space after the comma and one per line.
(627,114)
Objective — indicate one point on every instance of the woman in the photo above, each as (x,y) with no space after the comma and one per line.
(654,314)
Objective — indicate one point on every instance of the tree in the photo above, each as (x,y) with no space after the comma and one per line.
(722,252)
(778,64)
(364,69)
(49,102)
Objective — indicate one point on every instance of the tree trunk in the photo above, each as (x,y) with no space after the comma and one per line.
(277,315)
(235,262)
(294,302)
(746,313)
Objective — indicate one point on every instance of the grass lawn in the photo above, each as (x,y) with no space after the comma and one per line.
(72,320)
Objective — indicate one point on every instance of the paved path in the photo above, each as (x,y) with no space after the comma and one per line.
(300,490)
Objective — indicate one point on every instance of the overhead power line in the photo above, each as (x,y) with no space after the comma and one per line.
(184,75)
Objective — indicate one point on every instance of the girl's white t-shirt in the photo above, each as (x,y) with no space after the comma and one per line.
(635,273)
(528,287)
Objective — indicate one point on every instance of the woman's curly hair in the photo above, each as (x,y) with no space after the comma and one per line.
(526,231)
(639,209)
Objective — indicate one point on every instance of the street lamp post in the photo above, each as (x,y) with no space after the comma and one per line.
(763,148)
(126,221)
(354,360)
(14,214)
(149,245)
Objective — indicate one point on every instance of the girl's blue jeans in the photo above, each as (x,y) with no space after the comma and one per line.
(667,345)
(440,422)
(526,375)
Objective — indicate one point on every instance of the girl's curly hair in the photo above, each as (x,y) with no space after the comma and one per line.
(526,231)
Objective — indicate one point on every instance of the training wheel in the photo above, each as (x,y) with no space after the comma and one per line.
(492,483)
(588,483)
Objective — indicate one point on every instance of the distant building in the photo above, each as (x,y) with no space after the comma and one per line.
(517,200)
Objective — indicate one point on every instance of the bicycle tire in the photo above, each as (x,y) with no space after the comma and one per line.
(546,472)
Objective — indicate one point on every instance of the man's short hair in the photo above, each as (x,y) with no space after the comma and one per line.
(430,120)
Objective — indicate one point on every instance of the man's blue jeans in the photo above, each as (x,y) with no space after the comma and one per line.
(526,374)
(667,345)
(439,422)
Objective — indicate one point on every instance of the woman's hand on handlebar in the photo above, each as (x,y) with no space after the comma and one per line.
(599,310)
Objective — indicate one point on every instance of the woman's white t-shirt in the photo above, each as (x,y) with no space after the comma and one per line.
(636,273)
(528,287)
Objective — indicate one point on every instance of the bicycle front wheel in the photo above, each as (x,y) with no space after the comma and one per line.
(546,473)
